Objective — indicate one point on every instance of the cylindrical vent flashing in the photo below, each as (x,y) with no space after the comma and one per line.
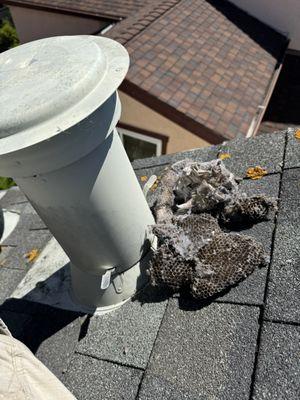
(58,140)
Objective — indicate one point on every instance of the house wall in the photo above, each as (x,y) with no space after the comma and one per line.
(282,15)
(140,116)
(32,24)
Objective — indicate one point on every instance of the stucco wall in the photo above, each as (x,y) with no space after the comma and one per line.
(34,24)
(283,15)
(136,114)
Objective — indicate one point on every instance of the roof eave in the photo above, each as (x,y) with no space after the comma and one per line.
(62,10)
(172,113)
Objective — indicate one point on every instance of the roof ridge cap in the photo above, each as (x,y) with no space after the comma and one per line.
(130,27)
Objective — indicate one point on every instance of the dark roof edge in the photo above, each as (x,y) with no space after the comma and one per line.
(171,113)
(270,90)
(62,10)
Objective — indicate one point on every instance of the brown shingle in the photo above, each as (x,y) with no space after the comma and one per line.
(114,9)
(216,52)
(206,59)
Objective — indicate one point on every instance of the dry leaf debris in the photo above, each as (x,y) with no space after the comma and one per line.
(224,156)
(256,172)
(32,255)
(297,134)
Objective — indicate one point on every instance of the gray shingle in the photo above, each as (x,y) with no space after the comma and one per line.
(23,240)
(9,279)
(92,379)
(127,335)
(278,367)
(157,388)
(19,236)
(13,196)
(283,298)
(209,351)
(266,151)
(28,214)
(290,196)
(198,353)
(252,289)
(268,185)
(21,208)
(202,154)
(292,155)
(151,162)
(52,337)
(17,208)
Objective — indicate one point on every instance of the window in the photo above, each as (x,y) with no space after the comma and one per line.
(138,145)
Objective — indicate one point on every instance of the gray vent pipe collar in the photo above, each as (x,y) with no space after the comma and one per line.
(58,140)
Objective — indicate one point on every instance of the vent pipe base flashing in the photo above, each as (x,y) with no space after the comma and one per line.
(118,288)
(58,140)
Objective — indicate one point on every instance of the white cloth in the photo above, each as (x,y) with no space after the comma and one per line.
(23,376)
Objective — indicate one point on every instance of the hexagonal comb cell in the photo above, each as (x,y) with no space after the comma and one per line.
(193,250)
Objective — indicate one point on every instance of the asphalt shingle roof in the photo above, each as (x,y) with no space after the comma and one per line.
(206,60)
(115,9)
(242,345)
(205,64)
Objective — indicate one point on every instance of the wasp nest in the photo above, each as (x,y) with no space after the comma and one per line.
(194,201)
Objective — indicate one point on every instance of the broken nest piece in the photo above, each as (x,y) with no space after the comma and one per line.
(196,205)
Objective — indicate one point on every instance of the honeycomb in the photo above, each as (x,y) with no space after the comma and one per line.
(175,260)
(166,270)
(247,210)
(230,258)
(213,261)
(194,201)
(186,235)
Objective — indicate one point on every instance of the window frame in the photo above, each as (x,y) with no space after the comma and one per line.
(143,137)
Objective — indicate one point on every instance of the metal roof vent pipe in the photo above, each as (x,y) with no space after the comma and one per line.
(58,140)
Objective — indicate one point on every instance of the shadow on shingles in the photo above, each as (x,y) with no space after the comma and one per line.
(188,303)
(158,294)
(238,226)
(153,294)
(33,323)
